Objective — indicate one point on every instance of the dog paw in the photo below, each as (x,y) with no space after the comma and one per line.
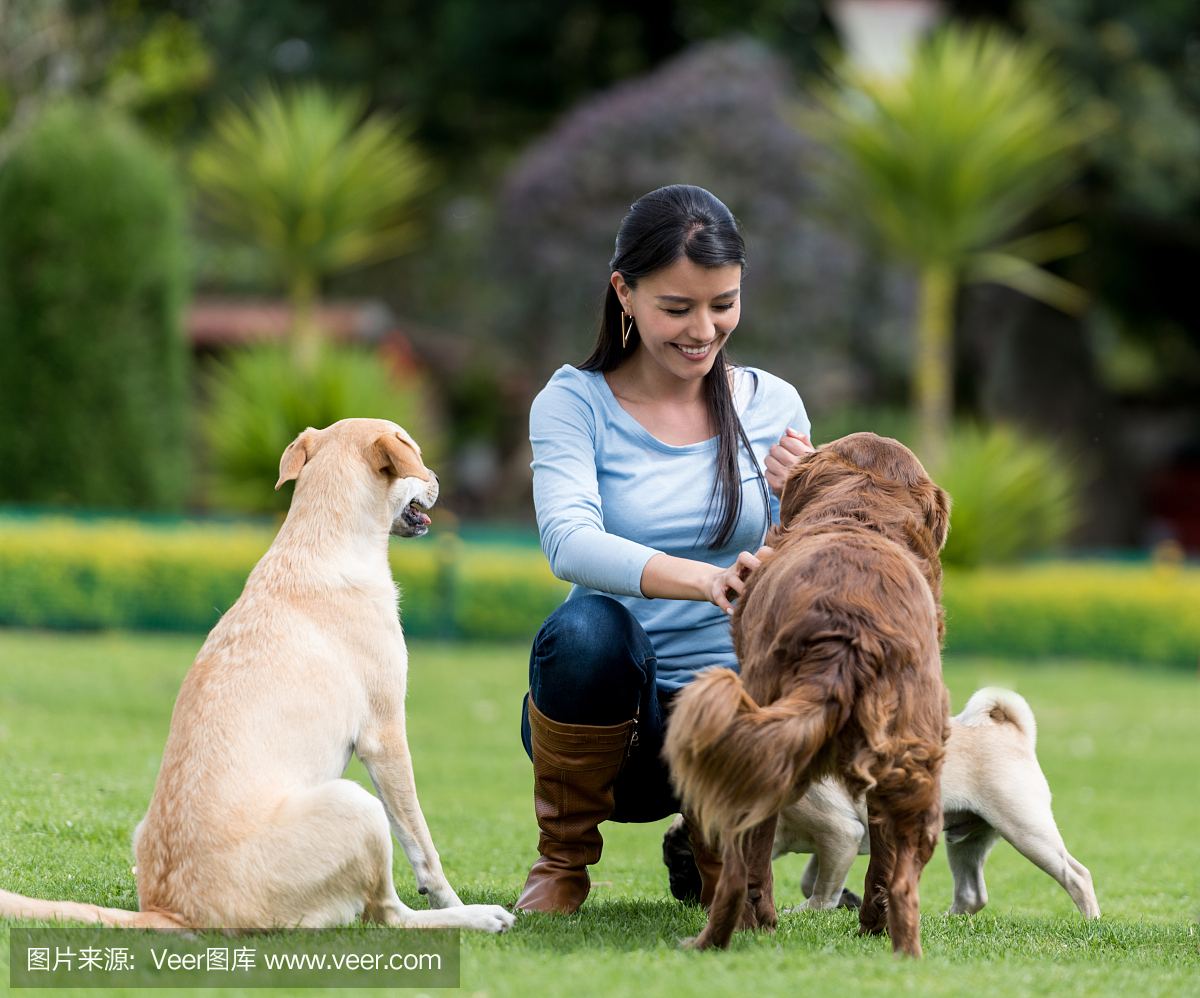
(688,943)
(810,905)
(849,900)
(487,917)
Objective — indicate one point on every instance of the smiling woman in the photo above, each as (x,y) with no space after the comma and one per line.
(657,466)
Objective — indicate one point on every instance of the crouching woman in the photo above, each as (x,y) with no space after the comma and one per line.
(657,467)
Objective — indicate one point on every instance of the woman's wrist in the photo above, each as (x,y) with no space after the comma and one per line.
(668,577)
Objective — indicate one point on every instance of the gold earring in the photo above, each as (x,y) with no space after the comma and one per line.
(626,328)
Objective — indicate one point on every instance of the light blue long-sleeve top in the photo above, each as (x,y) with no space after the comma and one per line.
(609,496)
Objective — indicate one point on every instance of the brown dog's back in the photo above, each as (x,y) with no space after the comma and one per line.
(837,639)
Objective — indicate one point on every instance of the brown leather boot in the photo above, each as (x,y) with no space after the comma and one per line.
(574,766)
(708,862)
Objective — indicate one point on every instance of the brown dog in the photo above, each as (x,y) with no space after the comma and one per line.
(838,636)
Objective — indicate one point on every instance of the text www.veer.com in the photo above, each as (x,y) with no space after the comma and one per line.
(322,961)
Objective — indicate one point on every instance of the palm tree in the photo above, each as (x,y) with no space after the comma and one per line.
(315,186)
(944,163)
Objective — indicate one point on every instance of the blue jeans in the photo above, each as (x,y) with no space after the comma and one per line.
(592,663)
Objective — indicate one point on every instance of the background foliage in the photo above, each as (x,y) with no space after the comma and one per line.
(260,400)
(93,382)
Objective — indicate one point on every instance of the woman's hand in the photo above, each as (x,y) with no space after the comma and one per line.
(733,579)
(791,448)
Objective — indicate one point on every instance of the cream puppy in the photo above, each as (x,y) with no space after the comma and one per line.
(992,788)
(250,825)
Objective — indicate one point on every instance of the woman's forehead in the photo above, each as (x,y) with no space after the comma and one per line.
(685,280)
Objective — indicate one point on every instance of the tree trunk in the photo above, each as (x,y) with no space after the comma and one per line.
(933,365)
(305,333)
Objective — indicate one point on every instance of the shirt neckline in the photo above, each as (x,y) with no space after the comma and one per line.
(611,403)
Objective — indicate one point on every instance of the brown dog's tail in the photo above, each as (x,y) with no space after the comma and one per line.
(733,762)
(18,906)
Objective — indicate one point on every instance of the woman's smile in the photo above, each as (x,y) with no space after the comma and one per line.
(695,352)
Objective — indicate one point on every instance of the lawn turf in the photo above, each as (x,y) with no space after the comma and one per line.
(83,719)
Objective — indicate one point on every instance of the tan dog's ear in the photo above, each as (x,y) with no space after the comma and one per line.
(294,457)
(395,454)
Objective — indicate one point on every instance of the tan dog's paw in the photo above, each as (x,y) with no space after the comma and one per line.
(486,917)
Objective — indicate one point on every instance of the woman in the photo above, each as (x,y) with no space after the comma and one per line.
(654,464)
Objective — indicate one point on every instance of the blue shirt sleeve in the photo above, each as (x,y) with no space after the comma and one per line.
(566,495)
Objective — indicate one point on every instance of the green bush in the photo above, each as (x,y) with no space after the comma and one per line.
(260,399)
(1012,495)
(68,574)
(93,379)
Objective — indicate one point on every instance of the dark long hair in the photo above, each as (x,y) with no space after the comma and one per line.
(662,227)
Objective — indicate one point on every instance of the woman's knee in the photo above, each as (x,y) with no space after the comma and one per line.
(590,659)
(592,625)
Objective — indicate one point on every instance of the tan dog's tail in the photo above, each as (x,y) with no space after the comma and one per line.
(18,906)
(992,705)
(733,762)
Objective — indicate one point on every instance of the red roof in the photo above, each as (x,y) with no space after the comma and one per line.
(222,322)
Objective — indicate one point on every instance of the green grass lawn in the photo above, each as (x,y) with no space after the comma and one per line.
(83,719)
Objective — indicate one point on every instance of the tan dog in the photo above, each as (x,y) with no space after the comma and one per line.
(250,825)
(992,788)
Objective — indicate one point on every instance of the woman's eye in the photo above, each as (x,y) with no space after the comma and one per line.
(676,311)
(726,307)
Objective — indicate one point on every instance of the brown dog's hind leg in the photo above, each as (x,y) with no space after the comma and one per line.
(911,813)
(729,903)
(872,915)
(760,911)
(904,920)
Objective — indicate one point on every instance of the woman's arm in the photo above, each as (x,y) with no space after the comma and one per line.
(566,495)
(668,577)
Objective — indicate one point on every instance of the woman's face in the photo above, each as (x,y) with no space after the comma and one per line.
(684,313)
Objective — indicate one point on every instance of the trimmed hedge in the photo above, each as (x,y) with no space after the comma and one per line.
(1122,612)
(70,574)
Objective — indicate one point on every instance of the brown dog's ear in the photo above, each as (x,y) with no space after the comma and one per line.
(294,457)
(936,503)
(798,488)
(399,456)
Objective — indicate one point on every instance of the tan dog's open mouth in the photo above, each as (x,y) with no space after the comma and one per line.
(415,519)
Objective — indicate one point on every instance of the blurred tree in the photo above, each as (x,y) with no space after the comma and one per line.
(946,162)
(1141,58)
(93,384)
(150,65)
(480,76)
(39,59)
(317,188)
(816,304)
(159,72)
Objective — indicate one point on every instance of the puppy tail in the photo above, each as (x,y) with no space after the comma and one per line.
(992,705)
(733,762)
(19,906)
